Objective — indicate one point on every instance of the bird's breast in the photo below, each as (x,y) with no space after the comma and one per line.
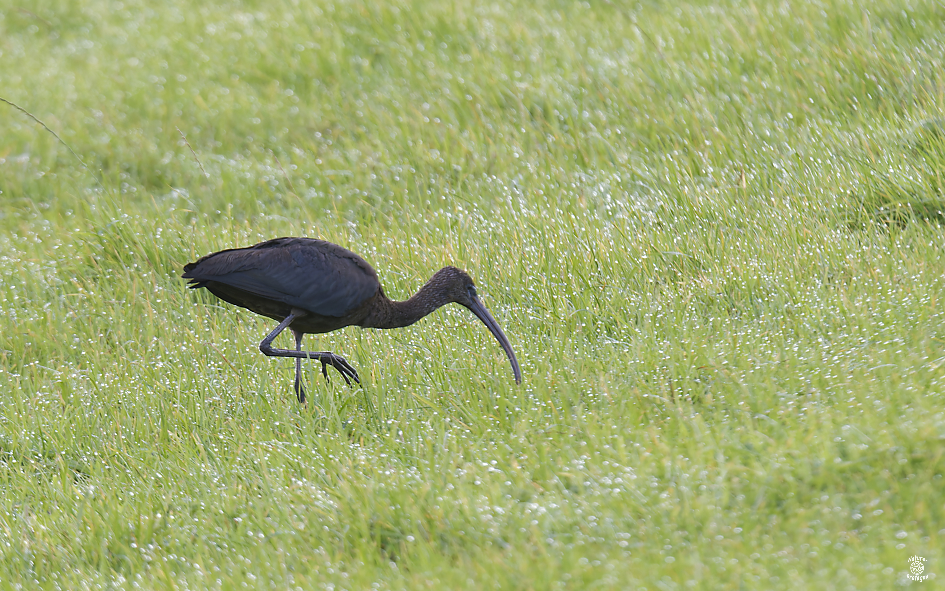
(311,323)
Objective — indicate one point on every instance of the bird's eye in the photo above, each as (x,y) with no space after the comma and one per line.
(472,291)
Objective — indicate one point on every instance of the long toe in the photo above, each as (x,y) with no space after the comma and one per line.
(346,370)
(342,366)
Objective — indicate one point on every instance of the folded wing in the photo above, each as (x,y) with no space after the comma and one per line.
(312,275)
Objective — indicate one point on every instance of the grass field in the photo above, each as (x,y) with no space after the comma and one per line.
(713,232)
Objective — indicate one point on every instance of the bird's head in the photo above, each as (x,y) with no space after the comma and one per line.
(457,286)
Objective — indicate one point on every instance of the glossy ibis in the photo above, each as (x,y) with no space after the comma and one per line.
(313,286)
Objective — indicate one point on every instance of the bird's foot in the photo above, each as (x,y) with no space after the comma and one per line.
(343,367)
(299,391)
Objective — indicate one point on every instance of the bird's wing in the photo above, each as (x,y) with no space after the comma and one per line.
(313,275)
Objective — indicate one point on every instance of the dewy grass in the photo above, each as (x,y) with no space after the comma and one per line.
(732,353)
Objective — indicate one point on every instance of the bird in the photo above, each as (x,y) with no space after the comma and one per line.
(313,286)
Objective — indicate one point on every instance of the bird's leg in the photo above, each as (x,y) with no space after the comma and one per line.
(326,357)
(299,391)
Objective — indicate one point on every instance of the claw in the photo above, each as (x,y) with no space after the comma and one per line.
(343,367)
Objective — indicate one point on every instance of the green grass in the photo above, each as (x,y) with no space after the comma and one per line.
(712,231)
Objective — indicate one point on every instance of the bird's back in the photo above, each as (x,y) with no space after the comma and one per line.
(273,277)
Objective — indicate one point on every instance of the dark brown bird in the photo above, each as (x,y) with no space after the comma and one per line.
(313,286)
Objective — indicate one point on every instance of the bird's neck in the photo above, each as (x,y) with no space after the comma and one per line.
(388,313)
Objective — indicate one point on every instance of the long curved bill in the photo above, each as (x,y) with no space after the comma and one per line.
(483,314)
